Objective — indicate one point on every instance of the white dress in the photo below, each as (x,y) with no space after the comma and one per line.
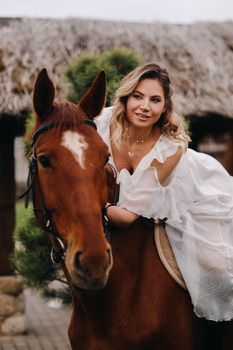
(198,205)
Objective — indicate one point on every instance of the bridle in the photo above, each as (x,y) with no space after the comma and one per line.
(58,248)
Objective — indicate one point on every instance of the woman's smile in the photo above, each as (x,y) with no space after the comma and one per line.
(142,116)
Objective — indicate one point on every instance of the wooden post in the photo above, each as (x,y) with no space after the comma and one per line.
(7,197)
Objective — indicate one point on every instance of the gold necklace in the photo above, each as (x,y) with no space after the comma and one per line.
(137,141)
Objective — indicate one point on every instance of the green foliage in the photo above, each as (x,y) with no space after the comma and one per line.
(20,212)
(32,256)
(116,63)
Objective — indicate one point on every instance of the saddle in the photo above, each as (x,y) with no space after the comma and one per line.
(166,254)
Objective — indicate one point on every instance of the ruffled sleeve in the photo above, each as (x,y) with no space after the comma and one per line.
(149,199)
(142,193)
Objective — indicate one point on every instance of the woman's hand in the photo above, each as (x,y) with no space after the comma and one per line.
(120,216)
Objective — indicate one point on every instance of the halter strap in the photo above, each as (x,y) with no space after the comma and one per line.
(48,126)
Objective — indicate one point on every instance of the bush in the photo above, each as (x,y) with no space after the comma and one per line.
(32,256)
(31,259)
(116,63)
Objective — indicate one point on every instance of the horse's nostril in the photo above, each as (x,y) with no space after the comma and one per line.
(77,262)
(89,264)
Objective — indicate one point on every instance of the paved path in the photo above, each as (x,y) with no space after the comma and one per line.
(47,327)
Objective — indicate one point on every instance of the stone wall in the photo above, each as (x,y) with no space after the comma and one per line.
(12,306)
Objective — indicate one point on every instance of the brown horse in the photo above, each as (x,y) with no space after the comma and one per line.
(134,305)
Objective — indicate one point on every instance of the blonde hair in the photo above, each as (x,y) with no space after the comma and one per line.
(170,123)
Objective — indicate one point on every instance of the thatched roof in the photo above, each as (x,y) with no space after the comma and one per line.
(199,57)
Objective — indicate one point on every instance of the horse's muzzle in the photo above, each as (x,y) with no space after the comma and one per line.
(90,272)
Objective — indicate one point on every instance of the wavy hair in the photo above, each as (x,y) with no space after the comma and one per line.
(170,123)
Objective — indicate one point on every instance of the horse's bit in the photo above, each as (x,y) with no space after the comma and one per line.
(58,248)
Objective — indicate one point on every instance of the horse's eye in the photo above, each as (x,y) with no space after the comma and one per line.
(44,161)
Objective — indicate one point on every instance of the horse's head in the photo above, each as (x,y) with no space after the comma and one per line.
(70,159)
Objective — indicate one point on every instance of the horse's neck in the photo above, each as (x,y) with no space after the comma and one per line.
(132,247)
(135,262)
(136,299)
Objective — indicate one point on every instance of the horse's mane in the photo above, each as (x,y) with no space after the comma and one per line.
(66,114)
(63,114)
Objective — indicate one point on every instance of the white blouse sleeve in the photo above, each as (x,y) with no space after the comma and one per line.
(102,123)
(149,199)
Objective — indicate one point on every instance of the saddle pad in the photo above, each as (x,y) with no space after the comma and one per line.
(166,254)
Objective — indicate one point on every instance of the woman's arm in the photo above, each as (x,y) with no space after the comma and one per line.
(120,217)
(165,169)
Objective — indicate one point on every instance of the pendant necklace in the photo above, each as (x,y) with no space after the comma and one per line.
(138,141)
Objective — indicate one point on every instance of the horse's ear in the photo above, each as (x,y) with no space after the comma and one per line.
(93,100)
(43,94)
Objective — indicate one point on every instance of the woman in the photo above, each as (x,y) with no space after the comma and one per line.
(161,178)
